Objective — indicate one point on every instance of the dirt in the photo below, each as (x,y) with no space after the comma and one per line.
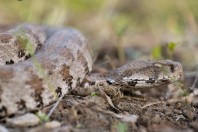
(105,108)
(93,113)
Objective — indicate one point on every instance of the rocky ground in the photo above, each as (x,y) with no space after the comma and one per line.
(164,109)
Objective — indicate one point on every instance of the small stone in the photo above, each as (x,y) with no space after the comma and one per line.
(156,119)
(189,114)
(52,124)
(25,120)
(176,111)
(3,129)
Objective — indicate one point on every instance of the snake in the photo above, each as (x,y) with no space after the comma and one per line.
(38,63)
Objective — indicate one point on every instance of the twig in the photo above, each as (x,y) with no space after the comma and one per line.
(154,103)
(191,74)
(174,100)
(55,106)
(194,83)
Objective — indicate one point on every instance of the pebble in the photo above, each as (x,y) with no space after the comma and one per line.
(3,129)
(52,124)
(189,114)
(25,120)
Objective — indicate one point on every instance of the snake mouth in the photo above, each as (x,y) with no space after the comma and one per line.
(164,81)
(149,83)
(141,84)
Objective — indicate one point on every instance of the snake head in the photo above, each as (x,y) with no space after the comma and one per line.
(147,74)
(169,70)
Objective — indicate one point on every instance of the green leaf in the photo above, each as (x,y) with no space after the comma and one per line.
(94,94)
(184,93)
(157,53)
(42,116)
(122,127)
(171,48)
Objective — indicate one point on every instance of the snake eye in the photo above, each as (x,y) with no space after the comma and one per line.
(172,68)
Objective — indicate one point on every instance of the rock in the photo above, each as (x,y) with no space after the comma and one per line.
(3,129)
(25,120)
(52,124)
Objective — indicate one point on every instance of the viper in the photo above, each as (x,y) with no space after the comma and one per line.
(40,63)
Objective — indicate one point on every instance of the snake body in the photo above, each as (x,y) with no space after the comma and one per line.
(61,62)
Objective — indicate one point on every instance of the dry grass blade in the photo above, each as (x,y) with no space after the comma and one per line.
(108,100)
(153,103)
(55,106)
(125,118)
(195,81)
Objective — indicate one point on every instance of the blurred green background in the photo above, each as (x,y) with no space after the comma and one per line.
(151,29)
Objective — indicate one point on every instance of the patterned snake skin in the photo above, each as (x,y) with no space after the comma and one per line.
(61,62)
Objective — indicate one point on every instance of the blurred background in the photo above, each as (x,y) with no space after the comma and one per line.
(119,30)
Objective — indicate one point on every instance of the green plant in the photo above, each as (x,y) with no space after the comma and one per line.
(156,53)
(120,25)
(164,51)
(170,49)
(122,127)
(94,94)
(42,116)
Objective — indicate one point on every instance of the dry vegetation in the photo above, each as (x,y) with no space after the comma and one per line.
(123,30)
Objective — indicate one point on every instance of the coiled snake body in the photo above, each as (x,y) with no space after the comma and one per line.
(61,62)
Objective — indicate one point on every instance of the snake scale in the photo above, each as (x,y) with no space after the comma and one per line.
(61,62)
